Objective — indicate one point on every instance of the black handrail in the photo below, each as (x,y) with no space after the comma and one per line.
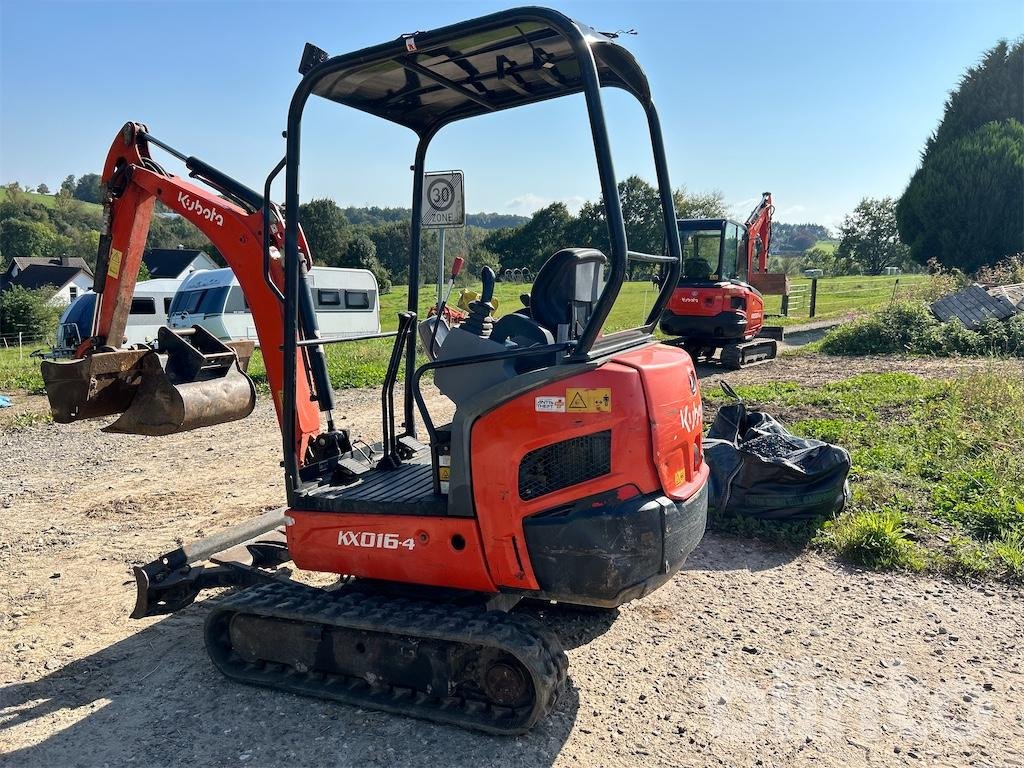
(406,321)
(266,228)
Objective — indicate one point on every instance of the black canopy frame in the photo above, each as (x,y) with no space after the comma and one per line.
(428,80)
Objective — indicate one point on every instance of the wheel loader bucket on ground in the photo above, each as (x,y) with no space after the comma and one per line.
(191,380)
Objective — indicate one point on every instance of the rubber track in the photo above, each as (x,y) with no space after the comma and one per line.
(734,356)
(534,646)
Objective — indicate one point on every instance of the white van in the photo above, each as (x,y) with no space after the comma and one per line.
(345,301)
(151,303)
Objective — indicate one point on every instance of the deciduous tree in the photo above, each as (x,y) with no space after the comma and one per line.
(868,237)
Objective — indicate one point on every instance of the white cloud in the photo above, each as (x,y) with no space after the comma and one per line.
(528,204)
(791,210)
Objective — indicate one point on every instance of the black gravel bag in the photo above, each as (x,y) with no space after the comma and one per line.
(760,469)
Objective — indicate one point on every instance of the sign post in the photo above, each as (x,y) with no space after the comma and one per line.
(444,206)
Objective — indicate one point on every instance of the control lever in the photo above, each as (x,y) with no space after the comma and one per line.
(480,321)
(456,268)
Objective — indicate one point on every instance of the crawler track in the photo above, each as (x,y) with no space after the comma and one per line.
(459,665)
(736,356)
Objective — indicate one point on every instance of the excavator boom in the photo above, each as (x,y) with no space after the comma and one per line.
(191,379)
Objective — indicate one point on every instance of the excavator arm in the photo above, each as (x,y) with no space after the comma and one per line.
(759,234)
(191,379)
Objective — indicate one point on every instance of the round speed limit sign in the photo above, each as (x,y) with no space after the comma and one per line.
(443,201)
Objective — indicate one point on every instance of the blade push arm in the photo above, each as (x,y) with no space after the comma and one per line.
(134,183)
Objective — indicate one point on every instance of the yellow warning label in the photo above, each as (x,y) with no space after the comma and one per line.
(444,473)
(588,400)
(114,268)
(680,477)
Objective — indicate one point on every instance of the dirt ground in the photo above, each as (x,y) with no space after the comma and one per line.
(751,656)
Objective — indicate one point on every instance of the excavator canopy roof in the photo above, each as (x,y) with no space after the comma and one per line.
(426,80)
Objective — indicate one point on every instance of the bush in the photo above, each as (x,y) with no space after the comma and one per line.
(897,328)
(910,327)
(28,312)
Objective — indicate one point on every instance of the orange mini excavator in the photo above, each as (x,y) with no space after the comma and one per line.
(571,471)
(719,299)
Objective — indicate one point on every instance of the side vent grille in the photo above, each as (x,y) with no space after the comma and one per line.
(569,462)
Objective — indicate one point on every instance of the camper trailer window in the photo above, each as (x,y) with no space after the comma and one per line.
(328,298)
(167,304)
(143,306)
(357,300)
(236,301)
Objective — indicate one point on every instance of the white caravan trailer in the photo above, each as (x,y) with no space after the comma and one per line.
(151,303)
(345,301)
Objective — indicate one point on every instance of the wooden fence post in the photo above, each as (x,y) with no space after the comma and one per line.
(814,296)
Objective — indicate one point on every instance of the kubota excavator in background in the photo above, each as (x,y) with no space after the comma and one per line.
(718,302)
(572,469)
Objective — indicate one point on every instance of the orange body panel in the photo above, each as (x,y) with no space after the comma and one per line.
(502,437)
(417,550)
(706,301)
(654,413)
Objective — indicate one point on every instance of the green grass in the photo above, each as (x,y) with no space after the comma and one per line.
(48,201)
(841,296)
(935,469)
(19,371)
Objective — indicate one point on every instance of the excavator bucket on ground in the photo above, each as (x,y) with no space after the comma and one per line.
(191,380)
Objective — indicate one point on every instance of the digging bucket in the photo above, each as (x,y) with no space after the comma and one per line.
(192,380)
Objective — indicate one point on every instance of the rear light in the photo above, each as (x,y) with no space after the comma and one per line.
(698,455)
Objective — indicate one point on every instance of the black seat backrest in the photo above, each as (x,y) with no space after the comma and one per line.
(566,289)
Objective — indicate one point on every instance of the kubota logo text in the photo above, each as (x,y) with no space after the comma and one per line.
(196,207)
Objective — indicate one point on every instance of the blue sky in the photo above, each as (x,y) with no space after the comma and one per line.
(820,102)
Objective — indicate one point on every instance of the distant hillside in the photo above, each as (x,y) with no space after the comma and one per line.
(48,201)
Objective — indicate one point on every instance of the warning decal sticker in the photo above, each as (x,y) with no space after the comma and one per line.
(114,268)
(580,400)
(549,405)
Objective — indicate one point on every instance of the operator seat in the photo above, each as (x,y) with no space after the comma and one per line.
(564,293)
(696,269)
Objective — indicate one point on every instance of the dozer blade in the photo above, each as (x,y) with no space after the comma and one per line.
(193,380)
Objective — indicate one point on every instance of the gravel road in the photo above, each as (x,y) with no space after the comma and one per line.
(751,656)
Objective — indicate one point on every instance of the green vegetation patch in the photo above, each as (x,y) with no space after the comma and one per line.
(936,468)
(909,327)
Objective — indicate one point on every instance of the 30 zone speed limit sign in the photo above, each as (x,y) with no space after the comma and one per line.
(444,204)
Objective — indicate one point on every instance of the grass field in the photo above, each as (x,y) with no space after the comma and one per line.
(47,200)
(935,469)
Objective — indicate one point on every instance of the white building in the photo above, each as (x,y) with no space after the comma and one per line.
(70,276)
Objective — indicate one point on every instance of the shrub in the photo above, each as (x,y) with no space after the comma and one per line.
(909,326)
(28,312)
(896,328)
